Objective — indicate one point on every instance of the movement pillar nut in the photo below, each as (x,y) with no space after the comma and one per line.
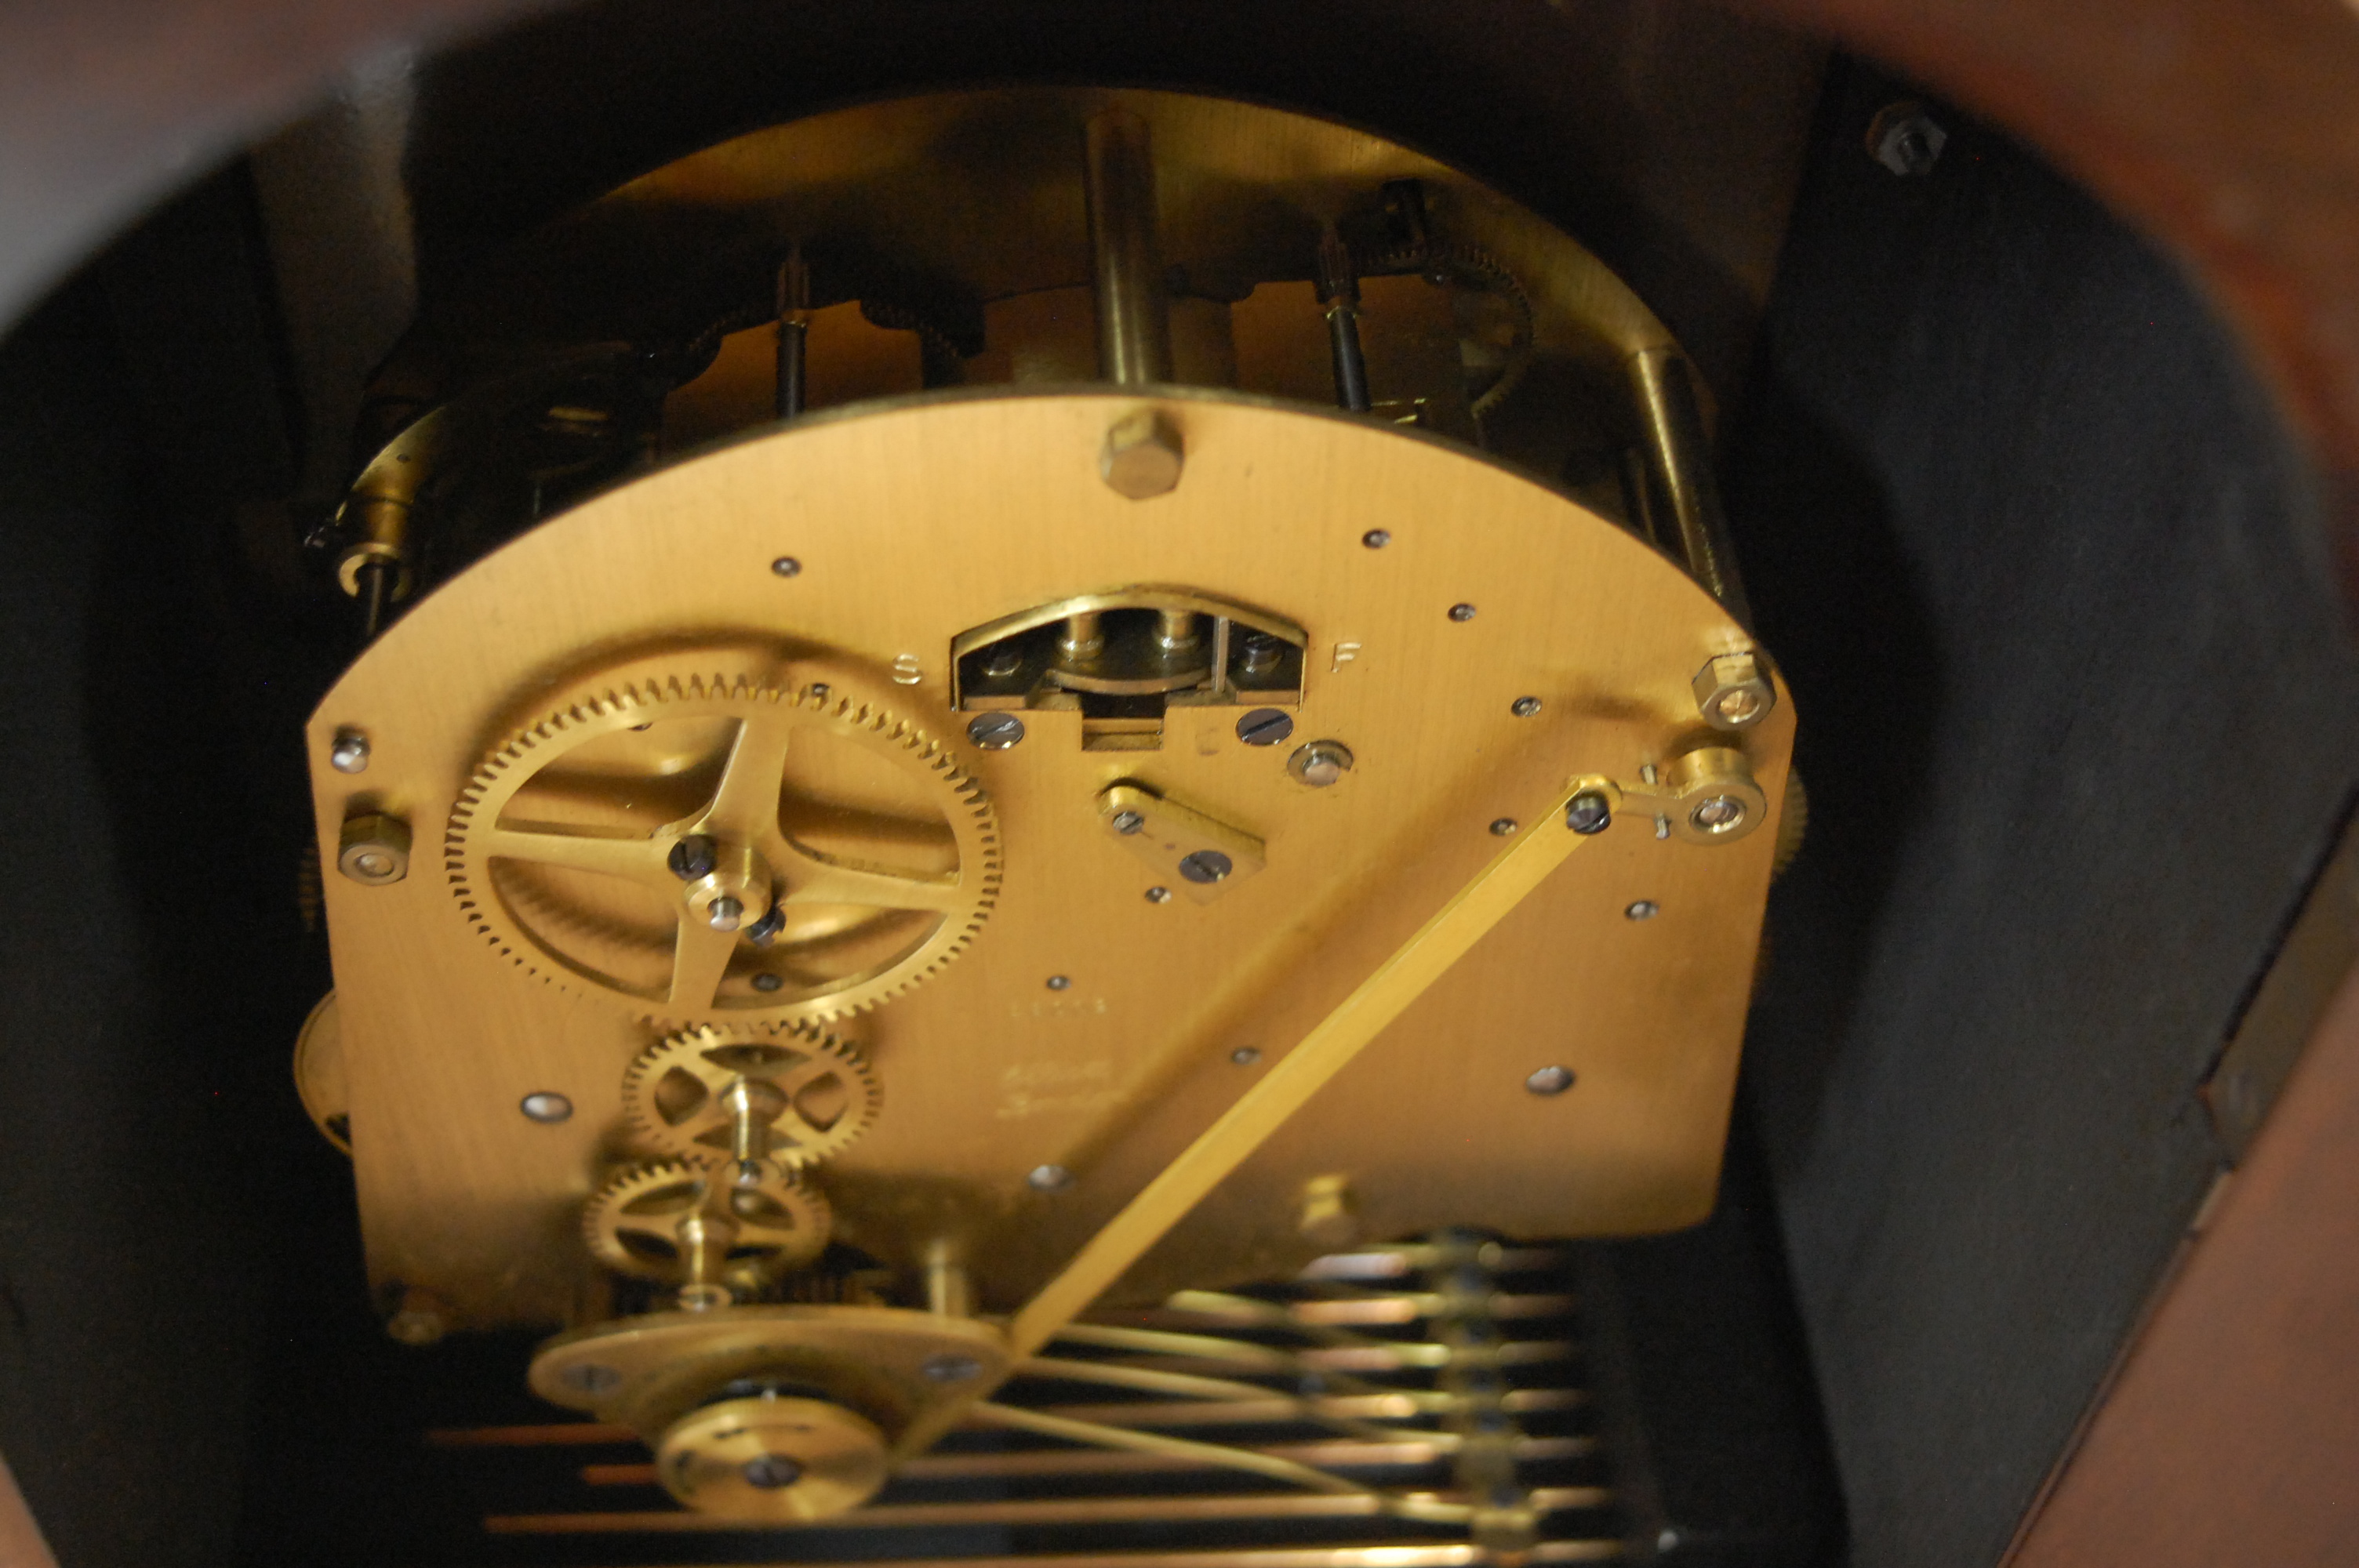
(373,848)
(1733,692)
(1142,456)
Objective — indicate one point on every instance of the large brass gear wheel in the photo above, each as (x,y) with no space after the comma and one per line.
(807,1093)
(634,1224)
(709,851)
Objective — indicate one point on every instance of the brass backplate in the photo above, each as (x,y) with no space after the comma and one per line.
(1088,1025)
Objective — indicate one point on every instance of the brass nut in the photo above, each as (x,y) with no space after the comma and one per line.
(1733,692)
(374,849)
(1142,456)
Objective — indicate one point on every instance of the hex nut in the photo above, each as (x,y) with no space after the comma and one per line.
(1732,692)
(373,848)
(1142,457)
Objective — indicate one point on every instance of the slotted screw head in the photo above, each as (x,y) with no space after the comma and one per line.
(694,857)
(1206,866)
(590,1377)
(1264,727)
(995,731)
(1524,706)
(950,1367)
(1589,812)
(771,1471)
(1128,822)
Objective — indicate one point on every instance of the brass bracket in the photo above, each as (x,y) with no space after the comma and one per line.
(1201,855)
(1705,797)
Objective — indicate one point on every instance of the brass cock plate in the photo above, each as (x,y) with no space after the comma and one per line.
(1036,1076)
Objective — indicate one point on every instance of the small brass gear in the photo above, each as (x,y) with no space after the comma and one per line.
(705,851)
(809,1094)
(634,1224)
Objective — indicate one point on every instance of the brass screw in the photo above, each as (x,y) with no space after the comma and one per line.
(373,848)
(1142,456)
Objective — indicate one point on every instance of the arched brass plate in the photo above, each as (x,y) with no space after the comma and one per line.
(913,523)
